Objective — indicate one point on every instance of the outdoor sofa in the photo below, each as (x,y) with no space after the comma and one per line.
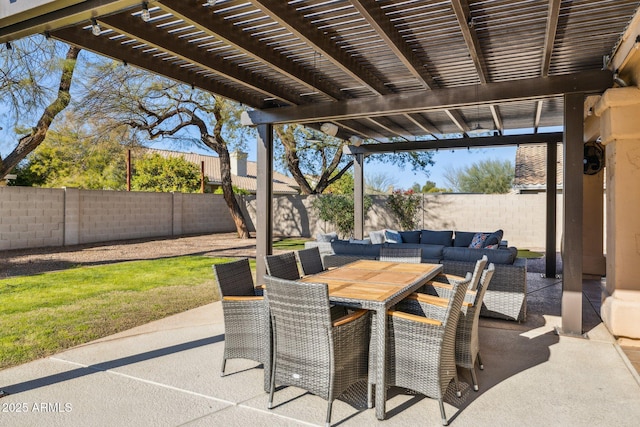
(505,297)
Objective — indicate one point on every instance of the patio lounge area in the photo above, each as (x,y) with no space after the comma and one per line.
(167,373)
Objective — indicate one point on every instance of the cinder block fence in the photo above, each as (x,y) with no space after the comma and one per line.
(39,217)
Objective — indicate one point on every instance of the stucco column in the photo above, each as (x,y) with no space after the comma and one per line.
(619,112)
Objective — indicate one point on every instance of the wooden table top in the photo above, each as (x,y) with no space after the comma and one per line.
(372,280)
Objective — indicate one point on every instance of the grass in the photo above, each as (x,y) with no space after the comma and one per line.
(291,244)
(47,313)
(526,253)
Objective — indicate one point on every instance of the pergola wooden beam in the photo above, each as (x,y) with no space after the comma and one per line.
(440,99)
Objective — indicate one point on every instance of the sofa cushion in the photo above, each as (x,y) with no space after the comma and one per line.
(463,238)
(365,251)
(410,236)
(392,236)
(360,241)
(496,256)
(377,236)
(428,251)
(429,237)
(328,237)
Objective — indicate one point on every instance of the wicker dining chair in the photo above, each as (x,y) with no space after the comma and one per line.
(467,342)
(283,266)
(421,338)
(310,351)
(310,261)
(246,315)
(408,255)
(475,278)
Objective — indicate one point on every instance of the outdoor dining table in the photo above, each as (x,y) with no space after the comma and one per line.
(376,286)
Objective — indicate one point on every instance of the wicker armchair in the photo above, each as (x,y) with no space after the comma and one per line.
(467,343)
(310,261)
(246,315)
(409,255)
(421,343)
(310,351)
(283,266)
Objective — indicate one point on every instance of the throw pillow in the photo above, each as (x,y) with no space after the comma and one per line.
(392,236)
(329,237)
(478,240)
(494,238)
(376,237)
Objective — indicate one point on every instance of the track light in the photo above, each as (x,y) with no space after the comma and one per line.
(145,15)
(95,27)
(212,2)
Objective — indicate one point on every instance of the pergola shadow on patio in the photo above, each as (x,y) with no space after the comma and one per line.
(167,373)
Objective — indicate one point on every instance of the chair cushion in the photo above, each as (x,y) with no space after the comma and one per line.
(429,237)
(392,236)
(410,236)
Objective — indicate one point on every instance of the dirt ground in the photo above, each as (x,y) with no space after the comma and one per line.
(22,262)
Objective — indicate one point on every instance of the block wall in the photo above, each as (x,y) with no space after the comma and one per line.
(31,217)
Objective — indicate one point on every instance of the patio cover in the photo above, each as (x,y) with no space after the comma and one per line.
(389,71)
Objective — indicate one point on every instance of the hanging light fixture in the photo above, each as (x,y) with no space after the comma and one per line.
(95,27)
(212,2)
(478,129)
(145,15)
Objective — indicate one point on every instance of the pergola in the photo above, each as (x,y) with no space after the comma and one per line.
(400,74)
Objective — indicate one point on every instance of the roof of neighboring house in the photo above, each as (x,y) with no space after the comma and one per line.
(282,184)
(531,167)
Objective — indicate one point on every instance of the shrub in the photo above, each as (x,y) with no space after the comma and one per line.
(404,206)
(338,210)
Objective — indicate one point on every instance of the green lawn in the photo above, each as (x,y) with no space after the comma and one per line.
(46,313)
(290,244)
(526,253)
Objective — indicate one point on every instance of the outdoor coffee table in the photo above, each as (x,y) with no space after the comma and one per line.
(377,286)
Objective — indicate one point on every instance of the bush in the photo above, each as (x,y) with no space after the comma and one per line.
(404,206)
(338,210)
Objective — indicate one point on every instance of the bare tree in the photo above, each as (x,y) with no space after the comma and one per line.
(162,109)
(23,84)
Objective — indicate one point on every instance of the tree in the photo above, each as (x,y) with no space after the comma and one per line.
(72,155)
(428,187)
(162,109)
(23,86)
(316,160)
(485,176)
(379,183)
(156,173)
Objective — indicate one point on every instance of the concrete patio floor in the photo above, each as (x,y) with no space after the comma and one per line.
(166,373)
